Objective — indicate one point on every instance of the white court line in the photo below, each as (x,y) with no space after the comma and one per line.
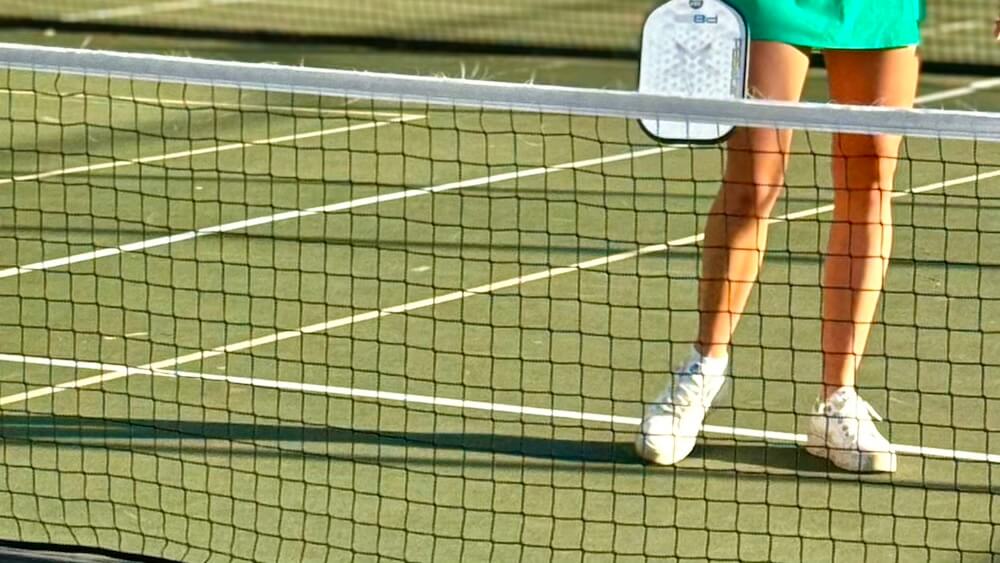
(215,104)
(330,208)
(972,88)
(335,207)
(463,404)
(484,289)
(204,150)
(137,10)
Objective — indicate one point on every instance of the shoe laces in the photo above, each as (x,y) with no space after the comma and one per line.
(850,408)
(688,388)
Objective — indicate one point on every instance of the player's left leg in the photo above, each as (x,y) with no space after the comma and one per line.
(864,168)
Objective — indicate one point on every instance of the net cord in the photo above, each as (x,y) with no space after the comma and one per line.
(478,94)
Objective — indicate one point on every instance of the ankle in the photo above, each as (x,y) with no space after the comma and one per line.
(831,390)
(711,364)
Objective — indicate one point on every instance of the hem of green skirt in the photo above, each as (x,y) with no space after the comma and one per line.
(882,44)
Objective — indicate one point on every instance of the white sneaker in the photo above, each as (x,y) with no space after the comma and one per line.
(841,430)
(672,423)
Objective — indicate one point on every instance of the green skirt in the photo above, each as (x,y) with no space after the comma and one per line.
(834,24)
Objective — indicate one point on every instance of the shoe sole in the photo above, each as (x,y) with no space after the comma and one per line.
(856,461)
(648,452)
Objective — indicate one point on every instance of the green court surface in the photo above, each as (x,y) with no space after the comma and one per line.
(308,432)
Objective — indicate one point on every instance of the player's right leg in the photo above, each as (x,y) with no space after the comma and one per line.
(735,238)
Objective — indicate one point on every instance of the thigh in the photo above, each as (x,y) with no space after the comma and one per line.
(777,72)
(880,77)
(886,77)
(757,156)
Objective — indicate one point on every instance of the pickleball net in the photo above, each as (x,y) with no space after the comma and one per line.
(263,313)
(957,35)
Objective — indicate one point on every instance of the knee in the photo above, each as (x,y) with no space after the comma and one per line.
(866,162)
(756,158)
(755,172)
(870,206)
(852,145)
(748,200)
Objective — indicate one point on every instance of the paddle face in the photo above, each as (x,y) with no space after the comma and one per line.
(693,49)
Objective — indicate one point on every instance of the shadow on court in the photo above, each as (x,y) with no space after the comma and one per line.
(394,448)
